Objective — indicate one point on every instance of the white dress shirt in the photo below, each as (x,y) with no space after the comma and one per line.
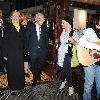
(38,29)
(88,39)
(63,49)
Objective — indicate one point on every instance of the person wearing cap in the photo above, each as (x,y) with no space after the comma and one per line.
(65,42)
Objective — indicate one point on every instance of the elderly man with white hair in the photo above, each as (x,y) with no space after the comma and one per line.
(37,43)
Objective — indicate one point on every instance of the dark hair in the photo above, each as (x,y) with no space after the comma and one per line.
(69,20)
(96,19)
(0,7)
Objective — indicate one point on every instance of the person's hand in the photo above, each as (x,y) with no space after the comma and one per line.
(71,40)
(5,58)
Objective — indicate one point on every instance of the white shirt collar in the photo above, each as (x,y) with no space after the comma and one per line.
(38,29)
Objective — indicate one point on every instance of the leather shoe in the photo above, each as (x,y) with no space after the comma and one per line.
(1,94)
(34,83)
(13,92)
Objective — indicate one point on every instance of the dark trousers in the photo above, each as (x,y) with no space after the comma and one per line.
(2,65)
(15,74)
(66,71)
(37,63)
(1,61)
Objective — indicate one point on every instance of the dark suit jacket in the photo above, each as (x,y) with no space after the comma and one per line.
(2,30)
(33,45)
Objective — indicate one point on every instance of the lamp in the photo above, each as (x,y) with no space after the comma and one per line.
(80,17)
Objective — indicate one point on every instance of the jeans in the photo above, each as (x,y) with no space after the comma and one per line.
(91,73)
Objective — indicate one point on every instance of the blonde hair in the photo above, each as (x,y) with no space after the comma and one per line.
(39,14)
(15,11)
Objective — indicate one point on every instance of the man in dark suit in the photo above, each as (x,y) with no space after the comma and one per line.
(38,42)
(3,24)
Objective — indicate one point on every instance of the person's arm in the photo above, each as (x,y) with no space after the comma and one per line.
(5,43)
(89,39)
(26,40)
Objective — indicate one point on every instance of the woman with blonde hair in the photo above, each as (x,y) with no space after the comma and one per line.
(14,53)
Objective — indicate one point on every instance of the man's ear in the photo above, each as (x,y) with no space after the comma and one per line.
(35,19)
(11,17)
(43,20)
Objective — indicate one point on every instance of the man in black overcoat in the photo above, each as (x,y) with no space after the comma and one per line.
(38,42)
(3,25)
(13,52)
